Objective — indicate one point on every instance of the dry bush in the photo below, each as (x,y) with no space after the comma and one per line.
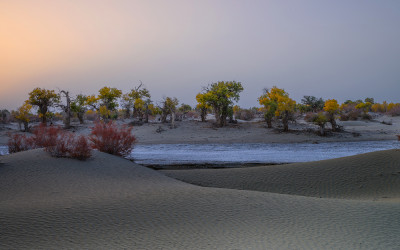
(244,114)
(54,140)
(82,149)
(112,139)
(395,111)
(18,143)
(46,136)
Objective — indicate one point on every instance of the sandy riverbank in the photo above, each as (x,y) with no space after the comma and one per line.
(193,132)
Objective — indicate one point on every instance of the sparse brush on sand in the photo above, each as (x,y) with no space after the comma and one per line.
(109,202)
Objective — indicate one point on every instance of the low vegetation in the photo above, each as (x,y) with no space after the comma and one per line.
(218,98)
(105,137)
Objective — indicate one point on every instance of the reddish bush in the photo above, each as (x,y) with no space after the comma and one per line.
(113,139)
(18,143)
(46,136)
(81,149)
(54,140)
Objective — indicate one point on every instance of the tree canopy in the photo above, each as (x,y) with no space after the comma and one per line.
(43,99)
(220,96)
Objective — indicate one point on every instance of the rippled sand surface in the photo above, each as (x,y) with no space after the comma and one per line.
(108,202)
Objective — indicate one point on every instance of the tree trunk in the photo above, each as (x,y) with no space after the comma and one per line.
(43,111)
(217,116)
(80,117)
(164,117)
(322,129)
(146,118)
(172,119)
(333,123)
(268,119)
(203,115)
(127,113)
(285,121)
(67,110)
(26,126)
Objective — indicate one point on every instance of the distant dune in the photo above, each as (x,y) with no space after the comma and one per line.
(112,203)
(373,175)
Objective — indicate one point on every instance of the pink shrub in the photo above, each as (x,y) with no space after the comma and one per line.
(112,139)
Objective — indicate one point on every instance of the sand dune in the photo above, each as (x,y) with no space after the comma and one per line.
(373,175)
(108,202)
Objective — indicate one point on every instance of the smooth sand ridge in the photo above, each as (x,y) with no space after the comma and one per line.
(108,202)
(370,176)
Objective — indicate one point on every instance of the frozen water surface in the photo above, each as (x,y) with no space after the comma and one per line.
(3,150)
(172,154)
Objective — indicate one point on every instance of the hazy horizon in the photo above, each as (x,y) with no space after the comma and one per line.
(337,49)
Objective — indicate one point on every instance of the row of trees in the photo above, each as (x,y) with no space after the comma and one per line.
(218,98)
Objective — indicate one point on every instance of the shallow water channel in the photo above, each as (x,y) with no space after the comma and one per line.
(249,153)
(175,154)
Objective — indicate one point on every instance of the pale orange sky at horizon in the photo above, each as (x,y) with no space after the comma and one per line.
(177,47)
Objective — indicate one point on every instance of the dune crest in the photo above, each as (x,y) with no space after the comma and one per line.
(368,176)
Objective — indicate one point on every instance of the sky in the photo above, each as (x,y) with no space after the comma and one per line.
(343,49)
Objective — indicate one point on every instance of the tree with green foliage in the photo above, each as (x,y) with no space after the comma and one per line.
(169,106)
(320,119)
(220,96)
(312,103)
(78,106)
(43,99)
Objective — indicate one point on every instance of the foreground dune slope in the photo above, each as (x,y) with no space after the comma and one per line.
(108,202)
(370,176)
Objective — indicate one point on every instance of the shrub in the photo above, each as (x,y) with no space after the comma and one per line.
(244,114)
(54,140)
(81,149)
(18,143)
(394,111)
(112,139)
(46,136)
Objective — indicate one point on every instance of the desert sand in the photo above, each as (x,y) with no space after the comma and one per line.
(111,203)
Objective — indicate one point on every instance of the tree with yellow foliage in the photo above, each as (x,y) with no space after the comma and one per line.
(331,107)
(43,99)
(108,97)
(277,103)
(202,106)
(22,115)
(220,96)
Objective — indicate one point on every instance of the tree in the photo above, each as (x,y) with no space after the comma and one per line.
(5,116)
(43,99)
(370,100)
(320,119)
(277,103)
(270,102)
(138,96)
(108,98)
(22,115)
(202,105)
(169,108)
(78,106)
(66,108)
(220,96)
(312,103)
(332,108)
